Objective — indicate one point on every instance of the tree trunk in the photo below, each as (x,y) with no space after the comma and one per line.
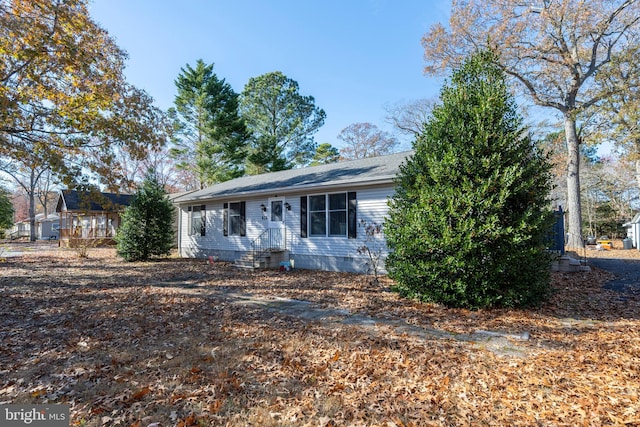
(32,207)
(574,208)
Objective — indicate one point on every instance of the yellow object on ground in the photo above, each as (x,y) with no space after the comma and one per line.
(605,243)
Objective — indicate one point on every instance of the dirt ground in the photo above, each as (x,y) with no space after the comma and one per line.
(617,252)
(135,344)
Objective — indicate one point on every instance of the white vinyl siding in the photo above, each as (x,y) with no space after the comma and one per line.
(371,207)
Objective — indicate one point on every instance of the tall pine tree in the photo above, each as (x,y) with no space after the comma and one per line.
(210,137)
(281,121)
(147,223)
(468,223)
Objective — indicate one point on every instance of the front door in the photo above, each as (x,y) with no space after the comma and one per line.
(276,222)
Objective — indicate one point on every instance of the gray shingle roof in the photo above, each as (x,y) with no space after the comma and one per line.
(363,171)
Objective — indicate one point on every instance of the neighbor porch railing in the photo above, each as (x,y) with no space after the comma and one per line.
(85,233)
(19,234)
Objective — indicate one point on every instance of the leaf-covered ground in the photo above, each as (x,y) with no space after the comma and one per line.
(135,344)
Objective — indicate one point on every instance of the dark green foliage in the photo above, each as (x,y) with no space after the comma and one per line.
(467,226)
(210,137)
(607,222)
(325,154)
(147,224)
(6,210)
(282,123)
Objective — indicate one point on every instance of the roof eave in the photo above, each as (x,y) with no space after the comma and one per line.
(287,190)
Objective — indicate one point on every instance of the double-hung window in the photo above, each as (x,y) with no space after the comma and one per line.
(234,219)
(197,220)
(337,214)
(318,215)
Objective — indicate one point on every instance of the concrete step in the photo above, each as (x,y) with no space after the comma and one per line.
(247,261)
(566,264)
(249,264)
(268,259)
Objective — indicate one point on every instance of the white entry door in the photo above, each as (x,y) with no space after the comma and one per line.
(276,215)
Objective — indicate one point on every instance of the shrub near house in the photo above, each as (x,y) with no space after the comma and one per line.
(468,224)
(147,224)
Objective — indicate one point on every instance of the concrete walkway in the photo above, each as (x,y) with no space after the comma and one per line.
(502,344)
(10,249)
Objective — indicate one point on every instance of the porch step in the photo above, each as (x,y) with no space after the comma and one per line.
(268,259)
(566,264)
(248,265)
(247,261)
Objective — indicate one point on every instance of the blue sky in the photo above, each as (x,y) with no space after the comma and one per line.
(353,56)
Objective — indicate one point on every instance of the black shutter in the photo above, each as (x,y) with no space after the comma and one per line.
(243,222)
(225,219)
(203,222)
(303,216)
(189,218)
(352,224)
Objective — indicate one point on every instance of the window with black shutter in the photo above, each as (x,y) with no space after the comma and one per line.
(197,220)
(234,217)
(331,215)
(303,216)
(353,220)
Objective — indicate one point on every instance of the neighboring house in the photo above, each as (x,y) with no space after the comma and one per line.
(633,231)
(20,229)
(47,228)
(89,215)
(310,215)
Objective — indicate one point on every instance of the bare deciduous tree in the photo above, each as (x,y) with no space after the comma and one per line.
(33,177)
(409,117)
(365,140)
(609,195)
(553,49)
(620,122)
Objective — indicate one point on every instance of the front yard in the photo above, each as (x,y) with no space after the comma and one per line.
(164,342)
